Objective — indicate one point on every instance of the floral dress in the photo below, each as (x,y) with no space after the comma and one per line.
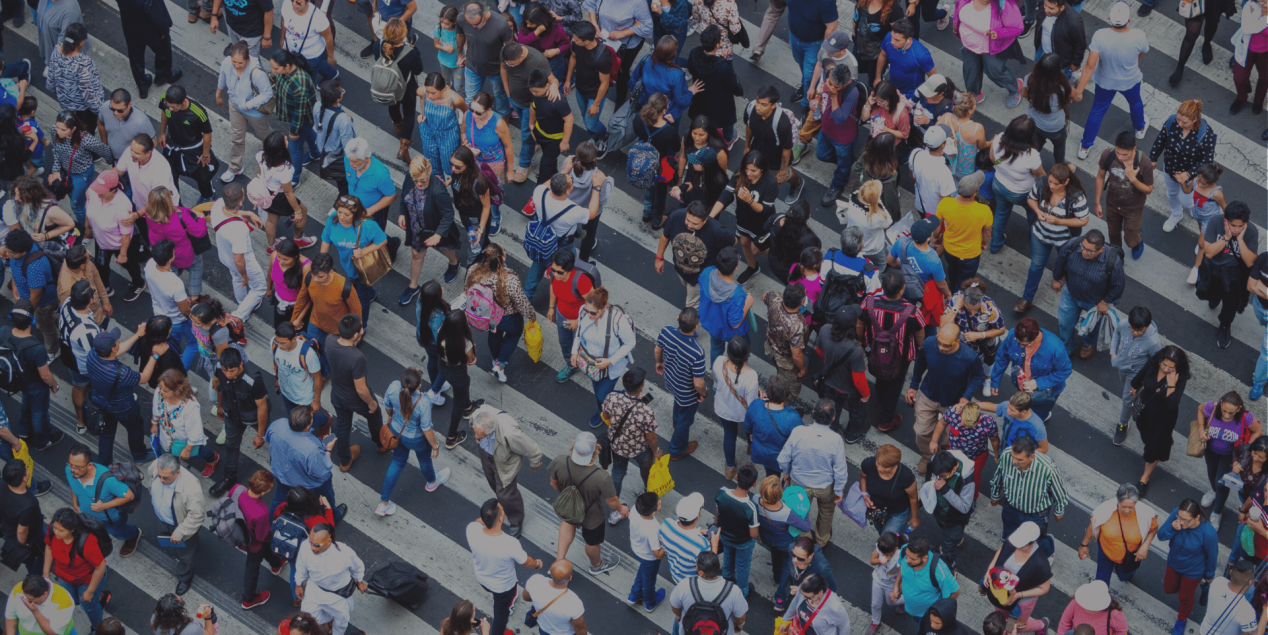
(724,14)
(988,318)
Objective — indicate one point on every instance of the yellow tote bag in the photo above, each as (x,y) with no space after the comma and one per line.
(23,454)
(533,341)
(659,479)
(779,624)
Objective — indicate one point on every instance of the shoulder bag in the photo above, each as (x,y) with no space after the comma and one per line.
(269,106)
(1197,445)
(610,435)
(731,386)
(62,187)
(388,440)
(530,618)
(588,363)
(1130,563)
(200,244)
(372,266)
(331,162)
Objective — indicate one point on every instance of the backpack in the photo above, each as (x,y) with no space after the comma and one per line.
(483,311)
(54,260)
(616,64)
(915,290)
(288,531)
(496,194)
(347,290)
(706,617)
(129,474)
(571,506)
(588,269)
(237,328)
(97,529)
(66,327)
(12,375)
(780,111)
(387,82)
(226,518)
(689,252)
(885,357)
(540,241)
(643,163)
(839,291)
(400,582)
(305,345)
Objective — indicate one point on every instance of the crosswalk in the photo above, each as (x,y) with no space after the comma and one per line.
(428,528)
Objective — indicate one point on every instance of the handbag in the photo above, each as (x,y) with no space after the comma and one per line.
(372,266)
(1190,9)
(200,244)
(268,107)
(389,440)
(659,479)
(854,506)
(344,591)
(588,364)
(741,37)
(530,618)
(1197,445)
(796,627)
(61,188)
(1130,563)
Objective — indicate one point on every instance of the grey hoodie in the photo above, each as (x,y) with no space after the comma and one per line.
(1132,352)
(832,618)
(719,289)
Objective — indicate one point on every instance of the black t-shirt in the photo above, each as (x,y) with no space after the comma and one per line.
(889,495)
(170,360)
(550,115)
(238,396)
(246,17)
(20,509)
(411,66)
(1231,255)
(665,138)
(588,66)
(185,127)
(33,356)
(847,357)
(770,138)
(710,239)
(765,190)
(347,365)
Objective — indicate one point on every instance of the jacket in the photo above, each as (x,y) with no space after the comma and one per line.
(955,502)
(436,215)
(721,306)
(1130,353)
(1069,40)
(1005,21)
(187,503)
(511,445)
(1193,552)
(831,619)
(152,12)
(947,609)
(1050,365)
(657,78)
(721,87)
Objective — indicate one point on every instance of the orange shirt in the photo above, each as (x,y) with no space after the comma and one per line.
(1117,532)
(328,305)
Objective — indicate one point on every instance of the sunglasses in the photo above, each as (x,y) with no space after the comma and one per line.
(118,110)
(558,272)
(800,558)
(593,313)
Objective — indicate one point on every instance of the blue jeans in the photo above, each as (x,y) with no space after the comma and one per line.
(1043,401)
(1261,364)
(730,430)
(594,125)
(322,70)
(93,606)
(1039,253)
(602,389)
(951,537)
(434,369)
(566,335)
(842,154)
(1105,566)
(961,269)
(189,350)
(621,466)
(805,54)
(559,67)
(78,193)
(717,348)
(35,421)
(503,341)
(684,416)
(528,145)
(318,338)
(644,589)
(736,561)
(1101,104)
(897,523)
(306,136)
(475,84)
(117,525)
(1068,317)
(654,201)
(400,456)
(1004,202)
(1013,519)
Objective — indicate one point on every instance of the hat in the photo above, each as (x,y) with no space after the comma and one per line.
(106,181)
(934,85)
(583,448)
(1120,14)
(837,42)
(23,307)
(104,341)
(1093,597)
(924,228)
(936,136)
(689,507)
(970,184)
(1027,533)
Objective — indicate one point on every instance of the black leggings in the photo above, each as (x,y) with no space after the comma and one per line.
(403,113)
(1194,27)
(460,381)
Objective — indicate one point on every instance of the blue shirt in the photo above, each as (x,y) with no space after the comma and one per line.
(1193,553)
(110,490)
(808,19)
(448,60)
(39,134)
(163,498)
(296,458)
(918,591)
(947,378)
(926,263)
(39,274)
(372,185)
(1011,428)
(389,9)
(907,67)
(684,361)
(101,375)
(345,240)
(420,418)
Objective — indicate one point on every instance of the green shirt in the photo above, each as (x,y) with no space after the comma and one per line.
(1032,491)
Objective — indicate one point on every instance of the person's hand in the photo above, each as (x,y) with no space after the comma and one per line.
(744,194)
(1083,552)
(1077,95)
(154,427)
(911,396)
(802,371)
(1102,307)
(176,540)
(603,362)
(1130,168)
(660,265)
(1177,525)
(97,506)
(911,8)
(205,158)
(676,192)
(914,523)
(994,392)
(298,324)
(1181,177)
(572,361)
(625,511)
(1056,285)
(127,222)
(433,241)
(220,413)
(87,595)
(571,324)
(30,606)
(220,100)
(1012,597)
(374,406)
(992,34)
(266,41)
(922,118)
(1059,518)
(938,482)
(1206,436)
(603,34)
(541,28)
(867,500)
(933,447)
(1133,394)
(550,314)
(330,59)
(563,145)
(299,591)
(552,91)
(324,502)
(696,87)
(1096,209)
(894,596)
(593,110)
(54,177)
(1142,553)
(257,442)
(1030,385)
(215,27)
(660,368)
(362,586)
(400,221)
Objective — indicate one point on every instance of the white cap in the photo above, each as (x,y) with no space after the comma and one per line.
(1093,596)
(689,507)
(1120,14)
(583,448)
(1027,533)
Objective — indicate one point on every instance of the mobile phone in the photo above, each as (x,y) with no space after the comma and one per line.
(646,398)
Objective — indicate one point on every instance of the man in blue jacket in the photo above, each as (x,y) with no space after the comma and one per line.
(1040,364)
(723,303)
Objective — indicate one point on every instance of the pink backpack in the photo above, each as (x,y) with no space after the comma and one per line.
(483,311)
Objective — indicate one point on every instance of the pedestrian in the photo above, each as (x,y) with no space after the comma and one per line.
(806,559)
(177,499)
(177,225)
(455,349)
(328,565)
(1193,552)
(250,23)
(893,319)
(461,621)
(84,577)
(724,304)
(809,24)
(472,198)
(1126,176)
(287,270)
(885,560)
(1123,529)
(52,19)
(1095,280)
(1254,57)
(916,256)
(1067,37)
(697,238)
(966,230)
(73,77)
(495,278)
(312,508)
(75,270)
(146,25)
(176,419)
(39,383)
(768,129)
(727,600)
(683,540)
(1228,613)
(1033,574)
(440,123)
(553,200)
(324,304)
(68,162)
(1229,248)
(21,520)
(503,446)
(350,393)
(157,341)
(738,523)
(1093,607)
(479,41)
(1206,23)
(1249,466)
(671,17)
(844,373)
(814,458)
(889,489)
(118,122)
(296,97)
(331,134)
(35,212)
(589,492)
(427,217)
(790,237)
(1018,419)
(215,331)
(299,460)
(655,126)
(786,335)
(923,579)
(248,88)
(92,485)
(954,499)
(76,328)
(774,10)
(646,546)
(540,31)
(1208,203)
(954,372)
(1134,343)
(910,59)
(681,360)
(243,403)
(1058,204)
(551,121)
(1029,487)
(563,613)
(1184,143)
(731,405)
(487,136)
(1225,424)
(352,232)
(1040,362)
(494,554)
(568,288)
(632,434)
(295,360)
(1160,386)
(604,345)
(627,26)
(970,136)
(769,421)
(841,101)
(753,190)
(817,606)
(314,42)
(233,243)
(710,63)
(850,261)
(589,72)
(184,139)
(987,32)
(1017,166)
(146,172)
(255,517)
(980,320)
(394,52)
(705,151)
(968,428)
(111,392)
(111,220)
(1113,61)
(1049,91)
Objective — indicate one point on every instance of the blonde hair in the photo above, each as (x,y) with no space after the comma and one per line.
(178,384)
(158,206)
(420,167)
(1191,109)
(888,456)
(965,104)
(969,414)
(394,33)
(870,195)
(772,490)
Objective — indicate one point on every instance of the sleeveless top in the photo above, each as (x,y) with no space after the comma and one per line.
(284,293)
(1206,208)
(486,138)
(965,160)
(440,119)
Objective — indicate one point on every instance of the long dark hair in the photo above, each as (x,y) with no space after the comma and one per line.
(170,616)
(454,334)
(12,143)
(293,277)
(1073,186)
(77,130)
(786,239)
(755,158)
(1177,357)
(536,15)
(1048,79)
(586,158)
(1017,139)
(210,311)
(70,520)
(702,122)
(471,177)
(411,380)
(889,94)
(1231,397)
(276,152)
(303,502)
(666,51)
(430,299)
(879,159)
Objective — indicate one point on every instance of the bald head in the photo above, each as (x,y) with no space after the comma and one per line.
(561,571)
(949,338)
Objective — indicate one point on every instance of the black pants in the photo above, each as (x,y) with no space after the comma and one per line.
(588,241)
(856,427)
(234,428)
(140,36)
(549,165)
(131,421)
(886,392)
(343,427)
(1205,25)
(201,174)
(627,55)
(508,494)
(502,608)
(1227,301)
(184,556)
(402,114)
(251,577)
(1057,139)
(102,260)
(1217,465)
(928,12)
(460,381)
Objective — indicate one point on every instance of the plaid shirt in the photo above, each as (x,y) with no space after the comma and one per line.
(296,95)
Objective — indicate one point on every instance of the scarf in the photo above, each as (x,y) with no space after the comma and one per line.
(1024,376)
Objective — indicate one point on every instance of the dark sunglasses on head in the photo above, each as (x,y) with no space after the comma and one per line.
(593,313)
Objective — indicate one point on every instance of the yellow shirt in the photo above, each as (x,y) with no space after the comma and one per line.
(962,236)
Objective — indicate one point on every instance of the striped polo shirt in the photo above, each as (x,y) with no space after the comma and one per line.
(684,361)
(1032,491)
(681,548)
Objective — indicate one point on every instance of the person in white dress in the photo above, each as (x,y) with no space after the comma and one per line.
(324,571)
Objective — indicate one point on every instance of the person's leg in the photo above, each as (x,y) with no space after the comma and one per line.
(743,564)
(682,420)
(774,10)
(1104,566)
(185,559)
(460,381)
(117,526)
(1137,107)
(400,456)
(251,576)
(602,389)
(593,121)
(1223,465)
(105,440)
(628,57)
(512,328)
(1011,519)
(534,276)
(1187,587)
(1039,252)
(588,242)
(972,69)
(997,70)
(39,396)
(620,465)
(1114,224)
(1067,317)
(1003,213)
(237,138)
(728,561)
(548,165)
(1026,623)
(730,429)
(1101,101)
(825,499)
(343,434)
(842,154)
(926,413)
(502,609)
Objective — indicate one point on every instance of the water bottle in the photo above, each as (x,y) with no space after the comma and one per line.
(473,236)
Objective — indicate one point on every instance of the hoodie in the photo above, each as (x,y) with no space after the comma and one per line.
(1130,353)
(669,80)
(721,87)
(946,609)
(722,306)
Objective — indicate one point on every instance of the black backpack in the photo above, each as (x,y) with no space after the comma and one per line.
(13,376)
(400,582)
(839,291)
(706,617)
(98,530)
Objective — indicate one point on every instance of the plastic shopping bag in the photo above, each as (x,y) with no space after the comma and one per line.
(23,453)
(854,506)
(533,340)
(659,479)
(796,499)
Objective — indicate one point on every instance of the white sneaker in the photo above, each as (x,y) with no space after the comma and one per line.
(445,388)
(441,477)
(1208,498)
(1083,152)
(1215,521)
(499,373)
(385,509)
(614,518)
(1193,276)
(229,176)
(223,436)
(986,388)
(1140,134)
(1172,223)
(436,399)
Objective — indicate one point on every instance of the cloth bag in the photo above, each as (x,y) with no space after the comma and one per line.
(533,340)
(659,479)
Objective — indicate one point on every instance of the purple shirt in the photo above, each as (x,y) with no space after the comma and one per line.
(1225,434)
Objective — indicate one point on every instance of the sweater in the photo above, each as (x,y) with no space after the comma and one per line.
(1130,353)
(1193,552)
(950,377)
(327,303)
(1006,21)
(832,619)
(722,306)
(1102,622)
(657,78)
(67,279)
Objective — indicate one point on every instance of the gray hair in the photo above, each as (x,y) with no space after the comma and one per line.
(1127,491)
(168,463)
(852,240)
(973,296)
(358,149)
(484,422)
(1025,445)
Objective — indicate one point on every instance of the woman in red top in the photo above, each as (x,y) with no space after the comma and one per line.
(301,624)
(313,510)
(75,557)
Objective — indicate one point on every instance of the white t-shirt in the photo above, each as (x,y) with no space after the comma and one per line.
(886,573)
(734,605)
(274,177)
(297,383)
(166,289)
(725,404)
(1220,618)
(495,558)
(8,217)
(644,537)
(58,609)
(565,225)
(233,238)
(1015,176)
(299,25)
(978,22)
(1045,40)
(556,620)
(106,219)
(933,180)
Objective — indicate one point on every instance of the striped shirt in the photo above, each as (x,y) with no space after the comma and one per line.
(1032,491)
(113,397)
(90,149)
(78,331)
(681,548)
(75,81)
(684,361)
(1072,206)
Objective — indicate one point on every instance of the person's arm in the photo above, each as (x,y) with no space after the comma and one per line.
(329,36)
(363,391)
(882,61)
(579,625)
(1092,58)
(660,253)
(913,499)
(98,572)
(563,145)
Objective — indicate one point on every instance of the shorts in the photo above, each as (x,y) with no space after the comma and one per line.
(594,537)
(280,206)
(78,379)
(760,240)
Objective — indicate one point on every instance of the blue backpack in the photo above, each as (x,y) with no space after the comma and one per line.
(540,241)
(643,164)
(288,531)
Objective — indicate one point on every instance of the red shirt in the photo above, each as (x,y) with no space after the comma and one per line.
(569,305)
(67,564)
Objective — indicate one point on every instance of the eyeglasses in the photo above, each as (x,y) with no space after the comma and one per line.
(118,110)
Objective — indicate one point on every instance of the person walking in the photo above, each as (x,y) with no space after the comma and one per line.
(352,233)
(683,541)
(1113,61)
(259,532)
(93,485)
(299,460)
(503,446)
(1092,280)
(954,375)
(146,25)
(1017,165)
(233,239)
(589,71)
(1193,553)
(297,366)
(176,420)
(146,171)
(488,137)
(296,98)
(554,208)
(923,579)
(350,392)
(540,31)
(248,88)
(495,278)
(768,423)
(786,335)
(893,318)
(692,231)
(473,199)
(731,405)
(1160,385)
(592,486)
(563,613)
(889,487)
(1034,578)
(681,360)
(1255,32)
(1185,142)
(709,583)
(427,217)
(481,35)
(710,63)
(110,384)
(954,494)
(1061,33)
(36,601)
(409,420)
(1123,529)
(326,564)
(395,52)
(331,134)
(73,555)
(1133,344)
(1029,487)
(495,554)
(184,139)
(817,606)
(177,225)
(656,126)
(323,299)
(242,401)
(738,524)
(112,222)
(1226,423)
(74,150)
(632,435)
(1040,362)
(627,25)
(74,79)
(1126,176)
(725,307)
(768,130)
(177,499)
(440,122)
(814,457)
(118,123)
(1048,90)
(75,269)
(314,41)
(249,22)
(21,520)
(1092,605)
(966,230)
(776,522)
(987,31)
(1230,249)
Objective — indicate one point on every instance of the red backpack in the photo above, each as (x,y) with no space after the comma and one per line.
(616,65)
(885,356)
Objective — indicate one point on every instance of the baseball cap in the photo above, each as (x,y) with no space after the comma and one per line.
(936,136)
(923,229)
(1027,533)
(689,507)
(970,184)
(104,341)
(837,42)
(583,448)
(1093,597)
(1120,14)
(106,181)
(935,85)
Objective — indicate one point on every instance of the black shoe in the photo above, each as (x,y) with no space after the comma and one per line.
(451,272)
(798,94)
(1120,434)
(656,224)
(747,275)
(220,488)
(53,439)
(1208,53)
(849,441)
(1223,338)
(455,441)
(341,511)
(1236,107)
(1026,28)
(512,530)
(226,51)
(1141,486)
(42,488)
(145,88)
(471,408)
(830,197)
(182,587)
(170,79)
(368,50)
(1257,109)
(1144,10)
(1175,78)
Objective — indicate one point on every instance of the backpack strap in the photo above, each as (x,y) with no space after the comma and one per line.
(934,559)
(30,258)
(695,590)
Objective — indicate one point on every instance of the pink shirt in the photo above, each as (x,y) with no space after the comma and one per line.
(106,219)
(1259,42)
(284,293)
(256,514)
(175,230)
(145,178)
(1076,615)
